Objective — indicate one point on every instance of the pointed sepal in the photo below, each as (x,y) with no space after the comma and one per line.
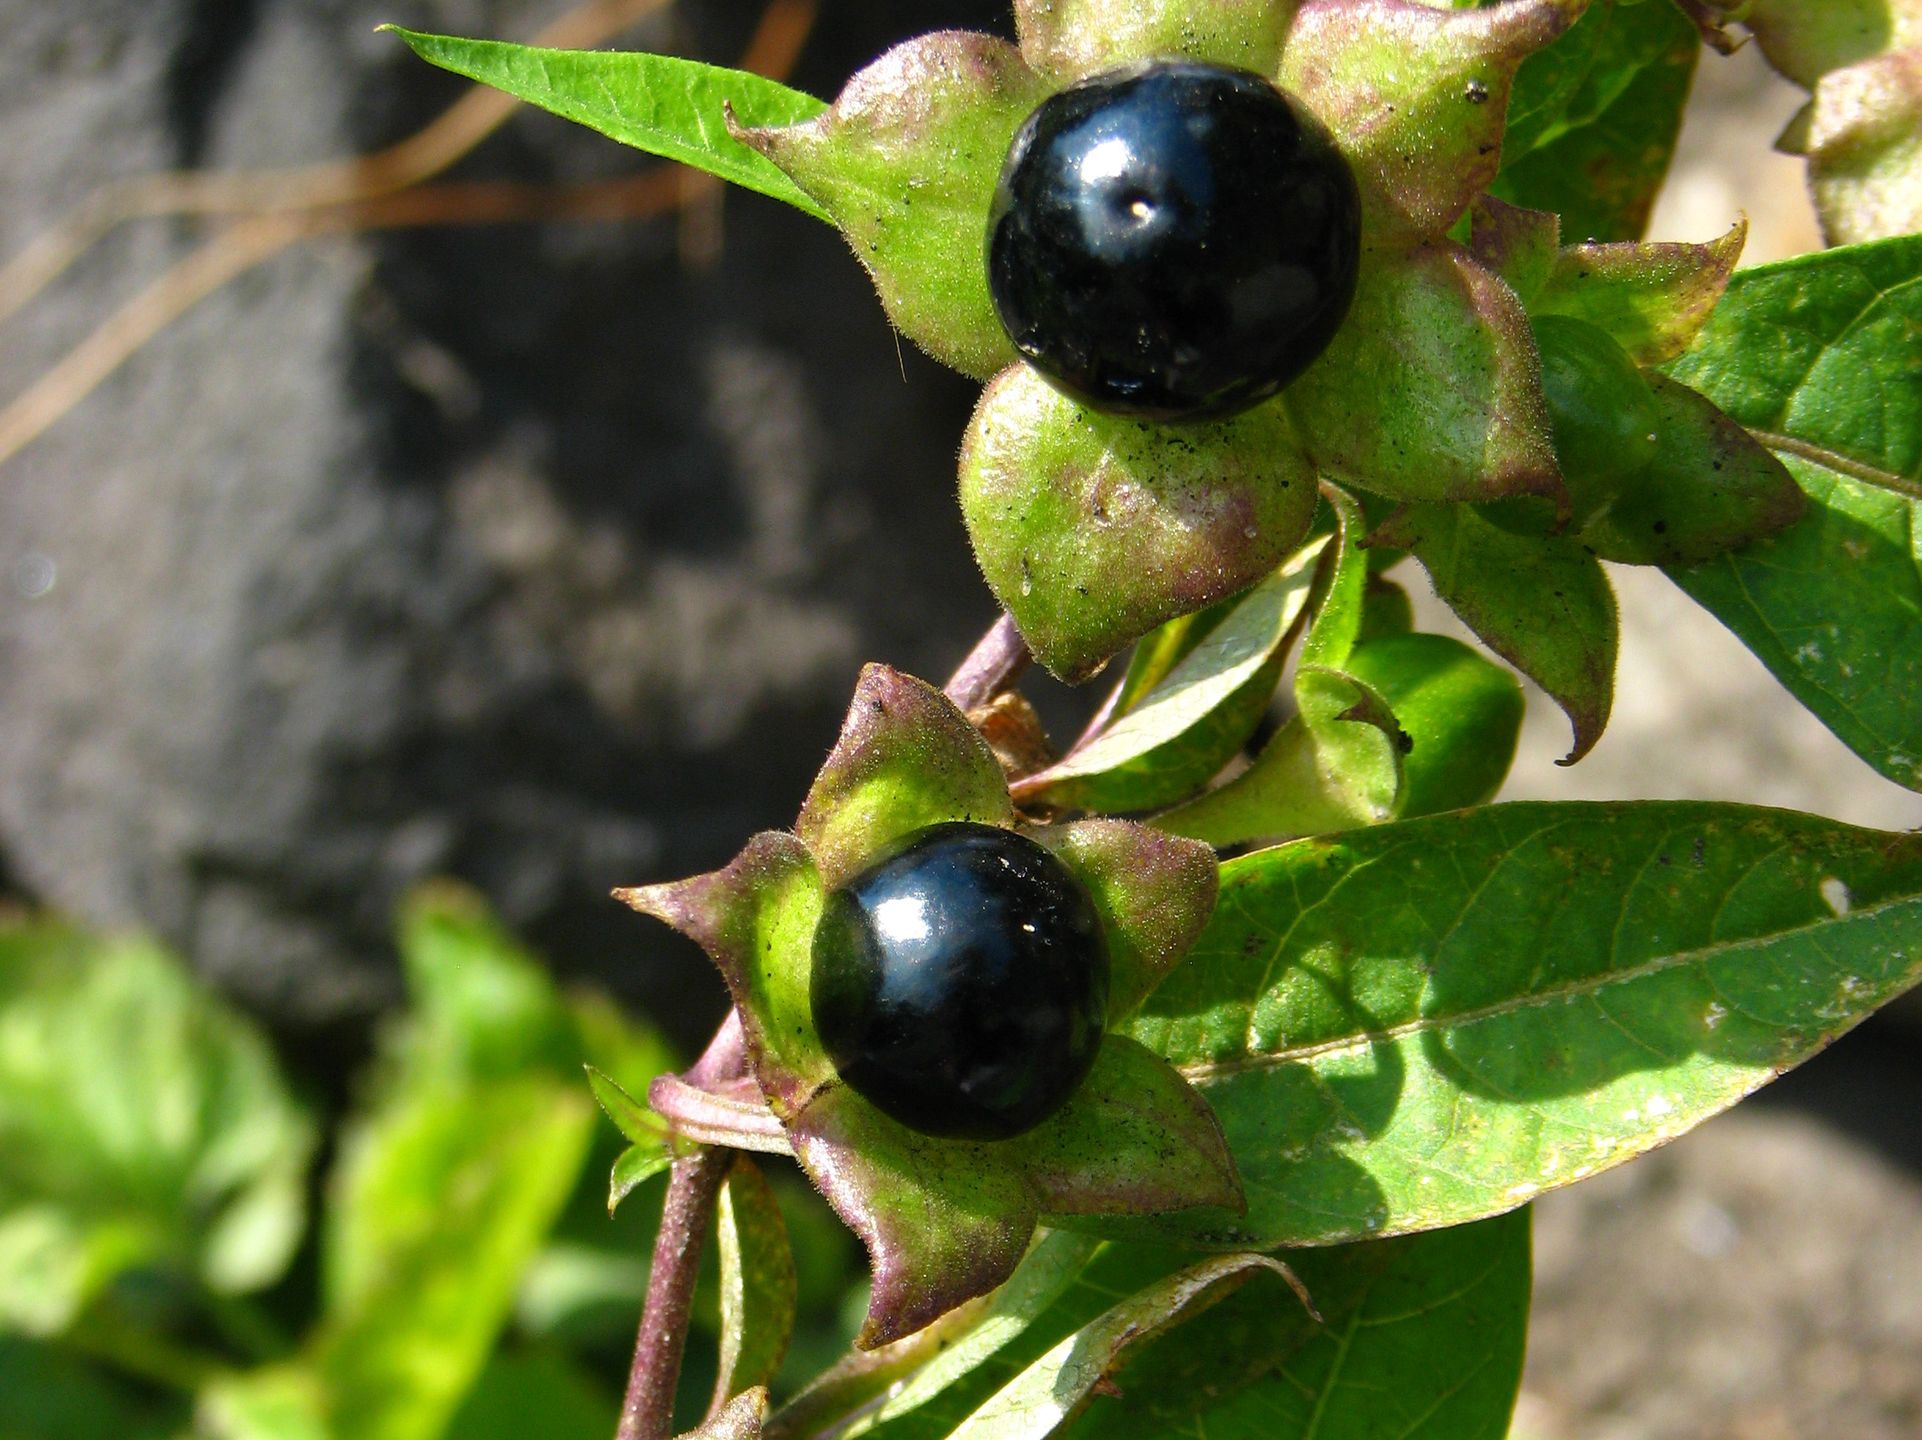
(1068,39)
(1154,893)
(943,1220)
(906,759)
(1653,298)
(756,920)
(1542,603)
(1136,1139)
(740,1419)
(905,163)
(1093,529)
(1432,389)
(1416,97)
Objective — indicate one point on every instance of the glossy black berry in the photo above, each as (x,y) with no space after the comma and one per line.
(961,982)
(1173,240)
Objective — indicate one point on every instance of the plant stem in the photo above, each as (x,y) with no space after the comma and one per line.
(648,1412)
(994,664)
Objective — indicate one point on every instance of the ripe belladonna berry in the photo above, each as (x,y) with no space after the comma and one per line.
(1173,240)
(960,982)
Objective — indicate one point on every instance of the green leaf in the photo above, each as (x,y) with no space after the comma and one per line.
(142,1124)
(634,1120)
(441,1203)
(1433,1021)
(1335,765)
(1816,357)
(1593,120)
(1054,1387)
(1544,605)
(674,108)
(1462,715)
(529,1393)
(483,1007)
(1422,1335)
(1191,724)
(1093,529)
(906,164)
(757,1283)
(48,1393)
(634,1167)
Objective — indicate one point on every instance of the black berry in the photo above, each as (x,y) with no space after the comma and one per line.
(961,982)
(1173,240)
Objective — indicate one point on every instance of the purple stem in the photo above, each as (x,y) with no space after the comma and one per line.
(994,664)
(648,1412)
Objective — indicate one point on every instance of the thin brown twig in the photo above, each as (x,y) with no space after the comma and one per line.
(994,664)
(247,242)
(421,156)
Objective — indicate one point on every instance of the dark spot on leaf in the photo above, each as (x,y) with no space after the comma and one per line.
(1477,93)
(1661,527)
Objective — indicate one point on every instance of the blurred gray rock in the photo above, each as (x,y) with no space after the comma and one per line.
(516,552)
(1757,1280)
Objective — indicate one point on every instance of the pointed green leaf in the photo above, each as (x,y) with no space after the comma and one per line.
(1543,605)
(1653,299)
(666,106)
(1461,712)
(757,1284)
(1816,356)
(142,1124)
(906,759)
(1594,118)
(1432,1021)
(1069,39)
(1337,764)
(1053,1388)
(1184,730)
(1430,391)
(1422,1335)
(634,1167)
(1710,489)
(1153,892)
(1134,1139)
(630,1116)
(906,164)
(756,919)
(1093,529)
(1415,96)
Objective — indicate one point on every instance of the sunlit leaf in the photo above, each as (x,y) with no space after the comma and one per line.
(1432,1021)
(1817,357)
(666,106)
(142,1123)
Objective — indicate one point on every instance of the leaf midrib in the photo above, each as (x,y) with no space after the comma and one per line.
(1571,990)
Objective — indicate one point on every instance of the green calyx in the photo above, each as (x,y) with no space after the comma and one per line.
(945,1220)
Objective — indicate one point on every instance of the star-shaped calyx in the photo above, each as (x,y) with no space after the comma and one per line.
(1093,528)
(945,1220)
